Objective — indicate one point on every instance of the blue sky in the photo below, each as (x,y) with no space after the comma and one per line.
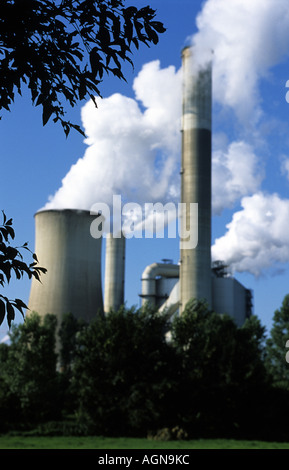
(250,142)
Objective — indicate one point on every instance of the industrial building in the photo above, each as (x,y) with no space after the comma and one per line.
(161,288)
(72,256)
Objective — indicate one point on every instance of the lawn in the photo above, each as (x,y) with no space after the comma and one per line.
(93,442)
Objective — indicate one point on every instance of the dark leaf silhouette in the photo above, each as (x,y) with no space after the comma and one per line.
(61,50)
(11,262)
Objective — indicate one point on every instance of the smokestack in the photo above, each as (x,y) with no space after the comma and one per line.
(72,257)
(114,272)
(195,266)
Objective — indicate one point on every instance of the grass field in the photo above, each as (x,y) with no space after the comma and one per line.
(93,442)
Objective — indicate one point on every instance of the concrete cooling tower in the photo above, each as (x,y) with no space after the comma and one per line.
(72,257)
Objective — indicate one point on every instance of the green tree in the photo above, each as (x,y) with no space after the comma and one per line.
(61,49)
(69,329)
(122,373)
(278,370)
(9,405)
(29,371)
(276,348)
(257,333)
(222,372)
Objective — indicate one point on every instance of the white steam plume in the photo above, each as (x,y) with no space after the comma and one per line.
(257,238)
(134,144)
(248,38)
(134,150)
(236,173)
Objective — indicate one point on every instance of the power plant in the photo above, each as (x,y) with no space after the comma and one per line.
(72,256)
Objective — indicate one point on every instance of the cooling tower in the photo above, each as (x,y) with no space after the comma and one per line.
(72,257)
(114,272)
(195,262)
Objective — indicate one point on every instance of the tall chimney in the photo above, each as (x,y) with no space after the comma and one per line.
(114,272)
(195,265)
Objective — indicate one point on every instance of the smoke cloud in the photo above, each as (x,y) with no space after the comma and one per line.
(248,38)
(133,144)
(257,238)
(236,172)
(134,150)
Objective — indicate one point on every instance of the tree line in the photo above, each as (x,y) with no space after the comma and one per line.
(137,373)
